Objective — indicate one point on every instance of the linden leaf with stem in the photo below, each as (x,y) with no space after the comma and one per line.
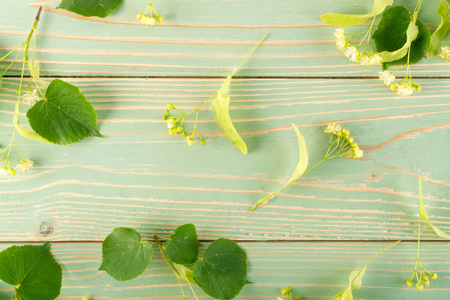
(220,106)
(347,20)
(299,170)
(441,31)
(423,215)
(355,278)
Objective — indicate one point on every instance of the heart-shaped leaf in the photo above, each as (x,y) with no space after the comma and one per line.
(90,8)
(396,32)
(222,272)
(32,270)
(125,255)
(65,116)
(182,246)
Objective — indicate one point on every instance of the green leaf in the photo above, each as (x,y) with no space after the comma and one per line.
(182,246)
(441,31)
(184,273)
(355,278)
(64,116)
(91,8)
(396,33)
(299,170)
(31,135)
(220,106)
(125,255)
(423,215)
(223,270)
(346,20)
(32,270)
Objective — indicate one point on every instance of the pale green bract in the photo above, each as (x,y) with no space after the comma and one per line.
(28,134)
(441,31)
(355,278)
(347,20)
(184,273)
(411,34)
(220,106)
(423,215)
(299,170)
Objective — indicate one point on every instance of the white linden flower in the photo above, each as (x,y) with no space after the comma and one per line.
(24,165)
(339,33)
(387,78)
(351,53)
(31,98)
(333,127)
(358,152)
(375,60)
(341,44)
(405,89)
(365,60)
(4,172)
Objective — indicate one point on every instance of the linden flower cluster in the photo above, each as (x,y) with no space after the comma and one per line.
(7,170)
(149,20)
(287,291)
(175,124)
(344,142)
(423,278)
(404,88)
(352,53)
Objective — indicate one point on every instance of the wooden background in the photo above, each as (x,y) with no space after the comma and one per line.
(312,235)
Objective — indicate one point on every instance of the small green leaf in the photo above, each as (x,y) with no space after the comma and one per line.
(91,8)
(223,270)
(184,273)
(31,135)
(220,106)
(65,116)
(182,247)
(346,20)
(441,31)
(299,170)
(32,270)
(355,278)
(125,255)
(423,215)
(396,33)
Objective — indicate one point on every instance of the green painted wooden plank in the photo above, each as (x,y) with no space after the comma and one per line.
(197,38)
(139,176)
(314,270)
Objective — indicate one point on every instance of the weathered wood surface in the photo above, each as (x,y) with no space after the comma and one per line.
(140,176)
(197,38)
(315,270)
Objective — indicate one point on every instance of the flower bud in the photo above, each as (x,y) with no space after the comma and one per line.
(170,106)
(190,141)
(139,16)
(184,133)
(164,117)
(393,87)
(426,282)
(410,283)
(426,277)
(284,292)
(434,276)
(180,128)
(151,21)
(202,142)
(167,112)
(350,140)
(12,172)
(298,298)
(159,19)
(419,286)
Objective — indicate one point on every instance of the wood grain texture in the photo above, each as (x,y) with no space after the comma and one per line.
(197,38)
(314,270)
(140,176)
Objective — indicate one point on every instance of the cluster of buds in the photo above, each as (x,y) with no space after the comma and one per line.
(149,19)
(352,53)
(175,125)
(7,170)
(347,141)
(287,291)
(445,54)
(423,279)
